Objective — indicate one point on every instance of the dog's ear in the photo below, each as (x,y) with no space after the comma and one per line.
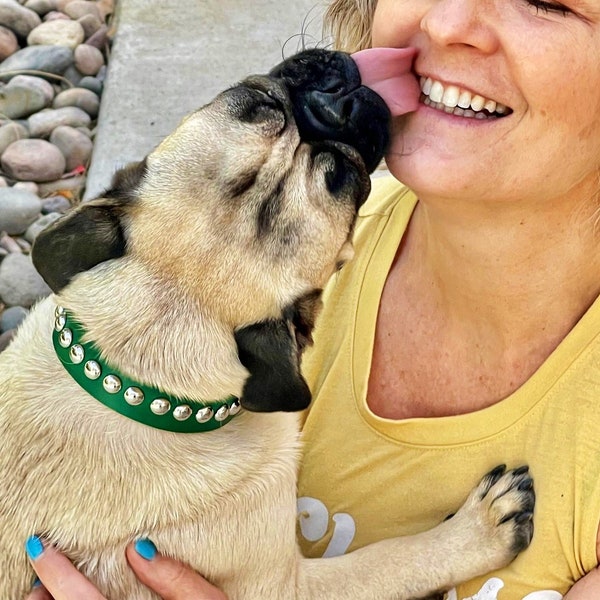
(90,234)
(271,351)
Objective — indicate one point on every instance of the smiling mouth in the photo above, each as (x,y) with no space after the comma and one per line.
(456,101)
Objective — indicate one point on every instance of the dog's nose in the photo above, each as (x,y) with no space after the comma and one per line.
(329,103)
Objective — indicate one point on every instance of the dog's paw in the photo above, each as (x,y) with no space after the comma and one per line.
(499,515)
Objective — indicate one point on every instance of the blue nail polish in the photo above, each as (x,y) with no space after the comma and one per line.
(145,548)
(36,584)
(34,547)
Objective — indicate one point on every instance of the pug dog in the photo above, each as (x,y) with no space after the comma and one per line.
(155,393)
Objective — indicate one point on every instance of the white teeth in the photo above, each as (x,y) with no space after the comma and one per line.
(477,103)
(437,91)
(465,100)
(452,99)
(490,106)
(426,86)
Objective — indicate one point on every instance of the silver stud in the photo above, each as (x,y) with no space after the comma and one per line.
(65,338)
(133,396)
(204,414)
(235,408)
(92,369)
(76,353)
(222,413)
(60,322)
(59,310)
(160,406)
(112,384)
(182,412)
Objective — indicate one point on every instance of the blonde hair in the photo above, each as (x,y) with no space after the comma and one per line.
(349,23)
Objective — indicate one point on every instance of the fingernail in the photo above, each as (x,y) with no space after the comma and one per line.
(34,547)
(145,548)
(36,584)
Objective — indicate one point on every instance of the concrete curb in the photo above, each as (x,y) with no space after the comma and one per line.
(169,57)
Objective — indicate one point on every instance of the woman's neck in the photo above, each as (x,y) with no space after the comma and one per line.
(516,271)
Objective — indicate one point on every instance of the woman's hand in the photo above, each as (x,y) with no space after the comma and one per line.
(171,580)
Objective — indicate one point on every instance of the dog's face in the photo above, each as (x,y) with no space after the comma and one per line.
(268,178)
(248,207)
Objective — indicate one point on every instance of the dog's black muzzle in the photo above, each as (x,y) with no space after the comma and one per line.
(330,104)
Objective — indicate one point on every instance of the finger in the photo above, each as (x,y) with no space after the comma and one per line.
(39,592)
(60,578)
(170,579)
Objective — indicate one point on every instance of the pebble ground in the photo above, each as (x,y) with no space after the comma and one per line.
(53,56)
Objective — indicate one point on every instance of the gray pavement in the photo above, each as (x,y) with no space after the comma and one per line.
(171,56)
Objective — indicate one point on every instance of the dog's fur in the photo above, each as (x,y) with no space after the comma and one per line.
(199,272)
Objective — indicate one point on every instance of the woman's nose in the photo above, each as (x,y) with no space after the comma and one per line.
(461,22)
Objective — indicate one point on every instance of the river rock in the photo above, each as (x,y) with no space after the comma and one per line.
(62,4)
(88,60)
(11,132)
(72,185)
(33,160)
(18,210)
(73,75)
(43,123)
(91,83)
(6,338)
(62,33)
(55,15)
(99,39)
(75,146)
(20,283)
(90,25)
(36,83)
(80,97)
(21,101)
(19,19)
(12,317)
(39,225)
(53,59)
(79,8)
(41,7)
(86,131)
(30,186)
(55,204)
(8,43)
(9,244)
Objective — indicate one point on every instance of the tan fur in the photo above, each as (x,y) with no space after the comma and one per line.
(90,480)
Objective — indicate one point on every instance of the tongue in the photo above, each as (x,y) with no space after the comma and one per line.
(387,71)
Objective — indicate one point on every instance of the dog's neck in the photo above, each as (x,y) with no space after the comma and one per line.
(155,334)
(137,401)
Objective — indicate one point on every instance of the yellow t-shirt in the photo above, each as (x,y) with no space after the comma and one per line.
(365,478)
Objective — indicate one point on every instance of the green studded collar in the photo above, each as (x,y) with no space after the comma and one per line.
(142,403)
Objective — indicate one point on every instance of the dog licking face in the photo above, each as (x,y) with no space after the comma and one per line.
(197,276)
(253,196)
(268,178)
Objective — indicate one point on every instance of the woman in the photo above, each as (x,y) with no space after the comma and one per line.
(465,332)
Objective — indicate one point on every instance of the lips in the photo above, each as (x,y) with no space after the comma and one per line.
(389,72)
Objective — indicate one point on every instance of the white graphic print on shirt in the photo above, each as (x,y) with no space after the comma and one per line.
(313,517)
(491,587)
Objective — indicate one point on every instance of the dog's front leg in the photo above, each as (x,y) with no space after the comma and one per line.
(488,531)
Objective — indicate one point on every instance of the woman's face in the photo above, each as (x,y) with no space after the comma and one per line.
(534,65)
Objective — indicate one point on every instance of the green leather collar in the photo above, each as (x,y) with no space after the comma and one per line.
(142,403)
